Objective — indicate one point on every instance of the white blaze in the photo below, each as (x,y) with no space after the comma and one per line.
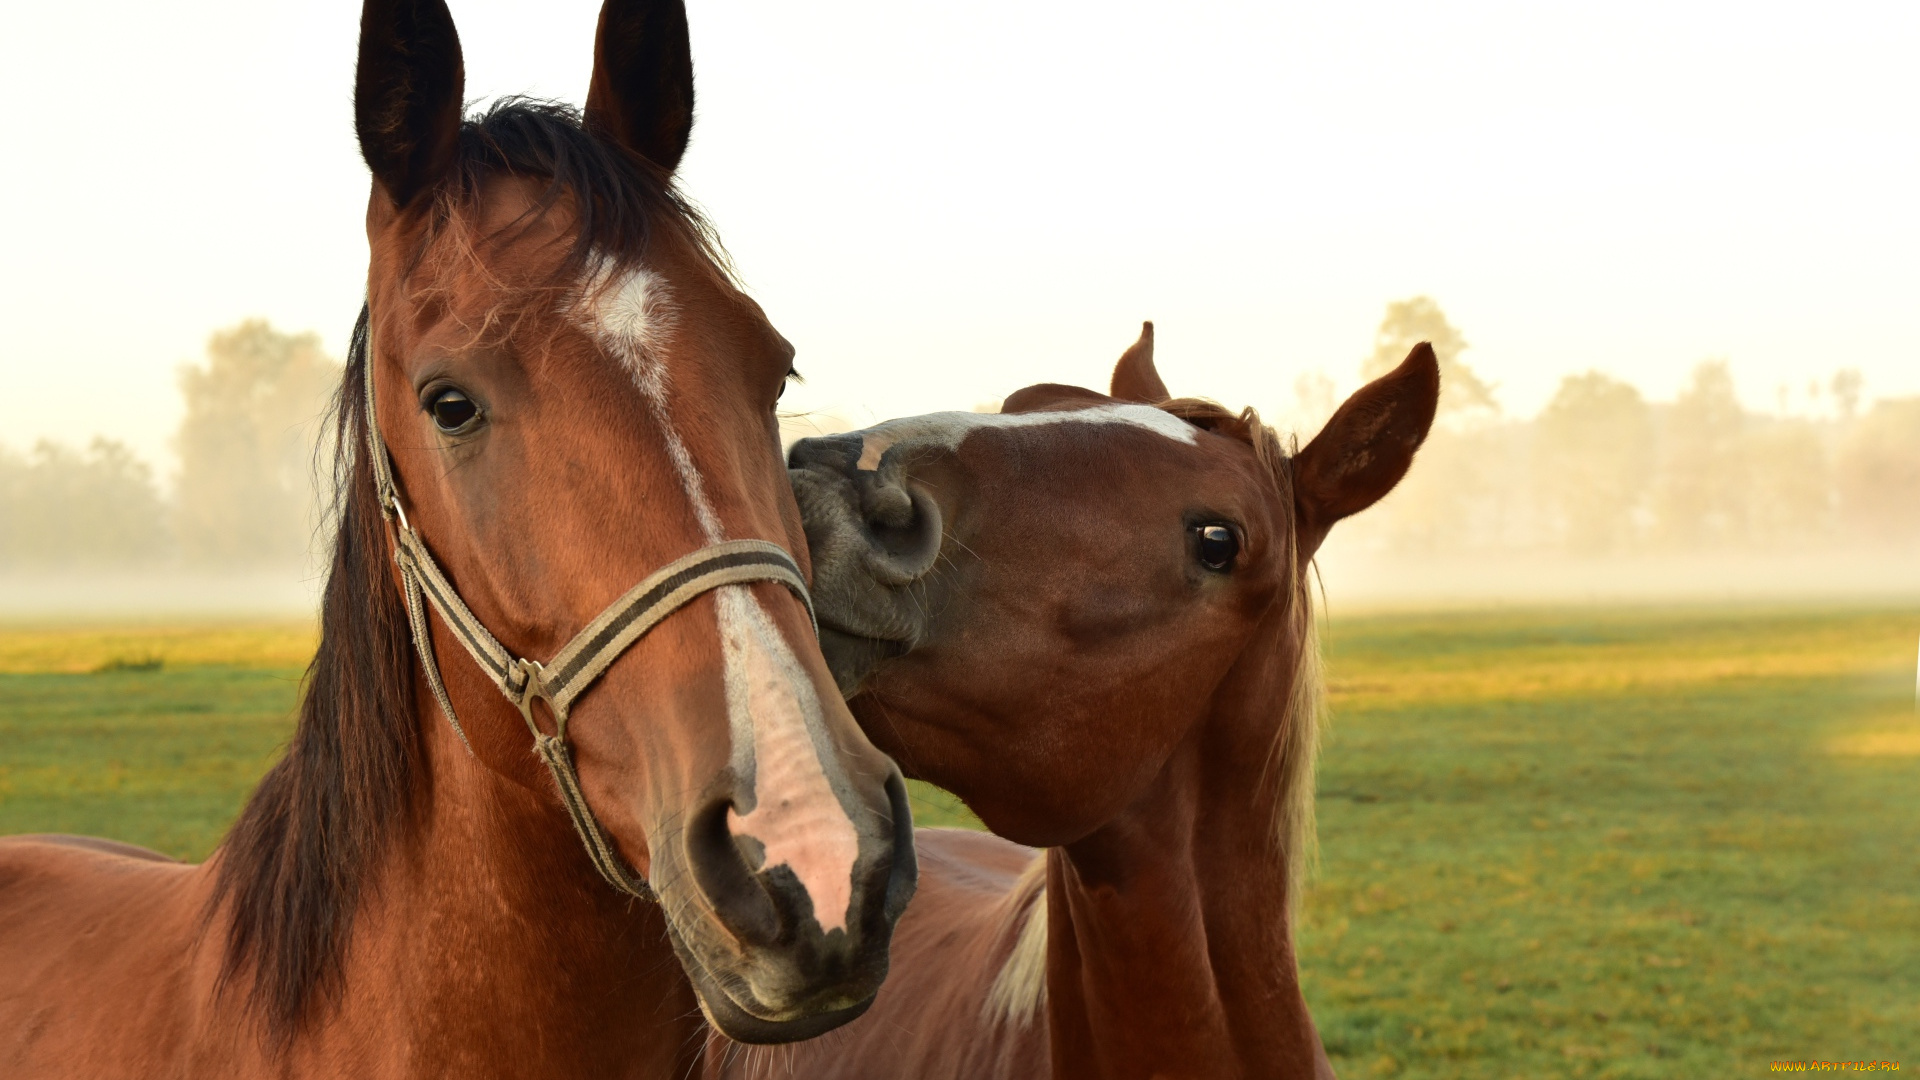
(950,429)
(774,716)
(632,320)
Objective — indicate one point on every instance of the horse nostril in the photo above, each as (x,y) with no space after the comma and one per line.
(835,453)
(904,875)
(865,528)
(726,877)
(889,506)
(905,541)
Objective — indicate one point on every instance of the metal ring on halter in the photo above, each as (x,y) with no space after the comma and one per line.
(531,691)
(578,664)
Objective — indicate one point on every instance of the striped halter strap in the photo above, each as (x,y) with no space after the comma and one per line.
(561,680)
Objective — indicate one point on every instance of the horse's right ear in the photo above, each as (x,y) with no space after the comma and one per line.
(406,95)
(1134,377)
(1365,448)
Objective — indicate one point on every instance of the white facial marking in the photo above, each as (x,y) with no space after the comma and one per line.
(632,319)
(635,315)
(775,716)
(773,713)
(949,429)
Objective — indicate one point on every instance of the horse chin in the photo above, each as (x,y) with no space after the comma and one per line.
(751,1021)
(852,656)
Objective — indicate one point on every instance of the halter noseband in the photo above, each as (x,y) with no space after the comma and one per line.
(560,681)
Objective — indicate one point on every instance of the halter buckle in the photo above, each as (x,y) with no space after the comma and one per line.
(532,676)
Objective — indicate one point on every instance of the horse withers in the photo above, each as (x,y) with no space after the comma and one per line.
(557,442)
(1089,616)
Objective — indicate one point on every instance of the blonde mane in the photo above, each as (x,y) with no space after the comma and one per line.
(1020,988)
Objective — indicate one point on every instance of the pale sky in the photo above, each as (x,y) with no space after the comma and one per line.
(941,203)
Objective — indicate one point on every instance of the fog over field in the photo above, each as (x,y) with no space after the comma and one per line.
(1666,249)
(1602,496)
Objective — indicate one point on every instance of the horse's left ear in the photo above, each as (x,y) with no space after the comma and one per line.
(641,95)
(1134,378)
(1365,448)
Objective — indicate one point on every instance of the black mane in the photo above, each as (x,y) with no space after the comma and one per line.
(617,195)
(296,864)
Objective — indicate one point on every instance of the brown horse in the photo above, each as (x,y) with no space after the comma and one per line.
(1089,617)
(575,396)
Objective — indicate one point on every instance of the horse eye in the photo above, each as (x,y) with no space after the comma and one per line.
(452,410)
(1218,545)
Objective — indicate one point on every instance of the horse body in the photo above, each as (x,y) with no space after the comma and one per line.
(554,392)
(452,967)
(139,954)
(1095,628)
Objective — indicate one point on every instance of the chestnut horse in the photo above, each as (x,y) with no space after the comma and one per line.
(575,396)
(1089,617)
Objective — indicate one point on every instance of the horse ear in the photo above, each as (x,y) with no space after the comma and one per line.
(406,94)
(1366,447)
(641,95)
(1134,378)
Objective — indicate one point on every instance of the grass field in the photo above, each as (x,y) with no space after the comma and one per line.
(156,734)
(1607,844)
(1621,844)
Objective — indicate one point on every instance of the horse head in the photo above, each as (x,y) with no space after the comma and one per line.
(1033,608)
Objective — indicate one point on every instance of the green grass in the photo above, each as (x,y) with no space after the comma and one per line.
(162,758)
(1605,844)
(156,735)
(1626,844)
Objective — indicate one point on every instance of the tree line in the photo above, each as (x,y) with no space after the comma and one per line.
(245,496)
(1603,471)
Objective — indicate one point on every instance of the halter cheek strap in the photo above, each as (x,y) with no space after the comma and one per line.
(560,681)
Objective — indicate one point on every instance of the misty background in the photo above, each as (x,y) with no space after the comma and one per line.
(1603,494)
(941,203)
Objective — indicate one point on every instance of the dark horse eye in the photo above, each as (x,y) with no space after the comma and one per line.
(452,410)
(1219,544)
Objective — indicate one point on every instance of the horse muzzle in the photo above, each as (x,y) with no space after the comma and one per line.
(875,540)
(764,966)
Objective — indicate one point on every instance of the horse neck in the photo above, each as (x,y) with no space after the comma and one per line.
(1170,949)
(490,946)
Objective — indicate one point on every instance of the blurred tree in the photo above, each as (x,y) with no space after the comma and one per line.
(63,507)
(1593,462)
(246,492)
(1879,475)
(1846,392)
(1701,493)
(1410,322)
(1791,495)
